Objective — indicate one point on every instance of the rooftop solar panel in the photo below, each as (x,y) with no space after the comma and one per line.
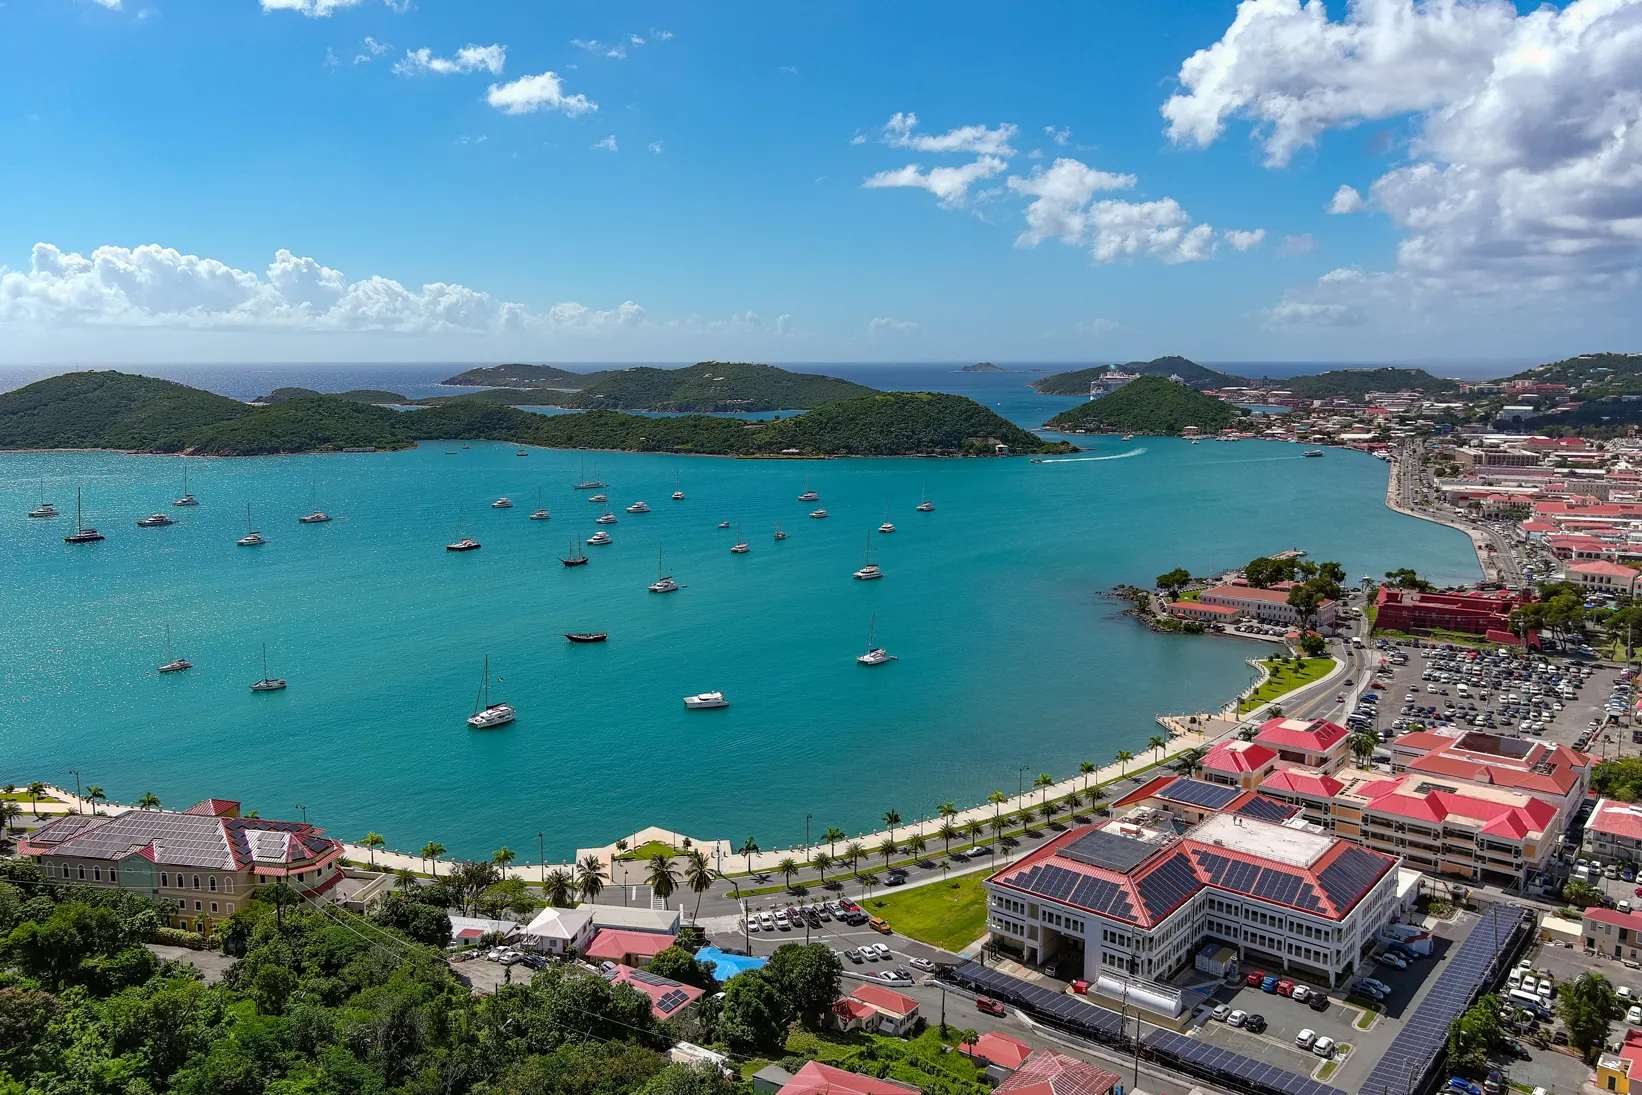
(1197,792)
(1168,884)
(1108,850)
(1262,808)
(1230,1069)
(1353,871)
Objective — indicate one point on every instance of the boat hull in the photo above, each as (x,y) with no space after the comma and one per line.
(268,686)
(587,636)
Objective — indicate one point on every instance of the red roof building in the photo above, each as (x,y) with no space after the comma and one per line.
(1310,743)
(816,1078)
(876,1008)
(1266,605)
(668,998)
(628,948)
(1614,831)
(1237,764)
(1471,613)
(1606,577)
(999,1049)
(1046,1072)
(1555,773)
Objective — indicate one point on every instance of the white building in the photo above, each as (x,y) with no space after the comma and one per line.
(1269,606)
(555,931)
(1124,898)
(1110,381)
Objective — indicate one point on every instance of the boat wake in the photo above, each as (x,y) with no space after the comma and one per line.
(1087,459)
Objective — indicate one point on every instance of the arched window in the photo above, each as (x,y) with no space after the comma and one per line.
(196,882)
(113,873)
(213,881)
(228,884)
(97,873)
(65,870)
(82,869)
(165,879)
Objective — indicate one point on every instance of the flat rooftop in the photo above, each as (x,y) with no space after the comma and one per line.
(1295,847)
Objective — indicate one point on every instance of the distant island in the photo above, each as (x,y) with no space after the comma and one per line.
(1149,404)
(1077,381)
(112,410)
(982,367)
(705,386)
(357,395)
(519,376)
(1355,384)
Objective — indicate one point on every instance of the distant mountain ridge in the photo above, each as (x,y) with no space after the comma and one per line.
(519,376)
(704,386)
(1354,384)
(1150,404)
(1077,381)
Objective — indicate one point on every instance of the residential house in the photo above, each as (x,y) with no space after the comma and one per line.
(1603,576)
(558,931)
(1622,1070)
(876,1008)
(1049,1073)
(1306,743)
(627,948)
(668,998)
(1614,832)
(816,1078)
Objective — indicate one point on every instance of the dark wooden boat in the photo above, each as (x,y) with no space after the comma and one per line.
(586,636)
(577,556)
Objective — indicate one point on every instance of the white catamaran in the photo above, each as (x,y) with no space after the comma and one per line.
(487,714)
(875,655)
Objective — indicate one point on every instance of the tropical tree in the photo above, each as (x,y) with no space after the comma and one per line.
(947,809)
(969,1038)
(590,877)
(868,882)
(974,827)
(9,813)
(404,880)
(1074,802)
(821,861)
(1051,808)
(1363,745)
(1028,816)
(886,848)
(373,841)
(1123,757)
(916,844)
(1156,744)
(149,801)
(431,851)
(281,897)
(698,875)
(558,888)
(1173,581)
(1086,769)
(998,825)
(787,868)
(997,799)
(1186,763)
(854,853)
(1043,782)
(1587,1005)
(37,791)
(94,795)
(749,848)
(503,857)
(892,818)
(832,836)
(662,877)
(948,832)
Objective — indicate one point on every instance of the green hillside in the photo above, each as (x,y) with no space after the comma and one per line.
(890,423)
(326,423)
(1354,384)
(1594,374)
(1152,404)
(519,376)
(108,410)
(1077,381)
(712,386)
(356,395)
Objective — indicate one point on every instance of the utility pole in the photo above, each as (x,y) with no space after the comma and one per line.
(79,808)
(541,848)
(1021,782)
(807,829)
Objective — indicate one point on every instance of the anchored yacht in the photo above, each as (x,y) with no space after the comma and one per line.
(818,514)
(706,699)
(638,507)
(491,714)
(605,518)
(267,683)
(664,582)
(741,547)
(174,665)
(82,533)
(153,520)
(186,499)
(502,503)
(868,570)
(875,655)
(252,537)
(541,513)
(464,544)
(600,537)
(808,495)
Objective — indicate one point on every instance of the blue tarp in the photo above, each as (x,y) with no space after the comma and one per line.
(726,966)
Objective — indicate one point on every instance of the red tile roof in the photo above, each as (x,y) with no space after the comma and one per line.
(1049,1073)
(885,999)
(1315,735)
(1602,566)
(816,1078)
(1198,606)
(1237,756)
(1301,782)
(1616,819)
(999,1049)
(1598,915)
(214,807)
(615,944)
(624,976)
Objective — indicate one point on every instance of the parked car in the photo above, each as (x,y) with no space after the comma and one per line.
(1461,1086)
(1377,986)
(922,963)
(1254,978)
(883,951)
(1306,1037)
(1323,1047)
(878,924)
(1237,1018)
(1634,1015)
(1301,994)
(1220,1012)
(853,955)
(1255,1024)
(1268,985)
(1394,960)
(988,1006)
(1285,988)
(752,923)
(894,977)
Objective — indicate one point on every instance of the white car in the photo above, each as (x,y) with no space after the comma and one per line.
(1634,1016)
(1395,961)
(1301,994)
(782,923)
(1237,1018)
(921,964)
(767,921)
(752,923)
(1305,1038)
(883,951)
(1220,1012)
(1323,1047)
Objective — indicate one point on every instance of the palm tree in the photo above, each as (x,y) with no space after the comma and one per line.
(917,844)
(1050,809)
(9,812)
(886,848)
(854,853)
(37,791)
(662,877)
(892,819)
(149,801)
(1156,744)
(787,868)
(1086,770)
(947,809)
(832,836)
(1045,781)
(558,888)
(590,877)
(698,875)
(431,851)
(94,795)
(821,861)
(947,832)
(373,841)
(404,880)
(969,1038)
(997,799)
(975,828)
(1027,816)
(1123,757)
(1074,802)
(868,881)
(998,825)
(1363,746)
(749,849)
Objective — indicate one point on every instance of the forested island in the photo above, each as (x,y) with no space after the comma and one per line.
(357,395)
(1077,381)
(704,386)
(1355,384)
(112,410)
(982,367)
(1150,404)
(518,376)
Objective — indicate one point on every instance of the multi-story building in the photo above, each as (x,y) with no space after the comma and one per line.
(1136,901)
(1269,606)
(1473,613)
(1235,763)
(1555,773)
(1603,576)
(1614,832)
(1190,801)
(1305,743)
(205,861)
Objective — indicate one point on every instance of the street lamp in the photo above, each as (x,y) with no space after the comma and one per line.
(79,807)
(304,810)
(1021,780)
(541,850)
(807,829)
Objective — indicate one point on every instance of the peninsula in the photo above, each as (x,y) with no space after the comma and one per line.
(1149,404)
(707,386)
(518,376)
(356,395)
(112,410)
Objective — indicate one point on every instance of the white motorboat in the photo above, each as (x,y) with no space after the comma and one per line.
(153,520)
(317,517)
(600,537)
(886,527)
(502,503)
(486,714)
(187,499)
(808,495)
(605,518)
(705,700)
(267,683)
(741,546)
(664,582)
(83,533)
(464,544)
(252,537)
(678,492)
(597,498)
(818,514)
(724,524)
(174,665)
(875,655)
(869,570)
(541,513)
(638,507)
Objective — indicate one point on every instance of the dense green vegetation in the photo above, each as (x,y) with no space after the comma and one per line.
(108,410)
(1354,384)
(1595,374)
(712,386)
(982,367)
(135,412)
(1151,404)
(519,376)
(1620,779)
(1077,381)
(356,395)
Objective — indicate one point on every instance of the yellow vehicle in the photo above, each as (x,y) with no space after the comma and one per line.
(878,924)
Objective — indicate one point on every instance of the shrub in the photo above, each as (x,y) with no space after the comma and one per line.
(176,937)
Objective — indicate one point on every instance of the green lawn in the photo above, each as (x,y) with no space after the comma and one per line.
(645,851)
(950,914)
(1286,677)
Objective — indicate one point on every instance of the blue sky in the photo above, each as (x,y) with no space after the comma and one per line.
(285,179)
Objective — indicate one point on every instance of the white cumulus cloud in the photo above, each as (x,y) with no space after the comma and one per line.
(950,184)
(1302,244)
(1061,194)
(898,133)
(314,9)
(1244,241)
(529,94)
(470,58)
(615,51)
(882,325)
(608,144)
(1064,208)
(1346,200)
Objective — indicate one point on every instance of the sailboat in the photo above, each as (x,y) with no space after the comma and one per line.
(44,509)
(463,543)
(81,533)
(173,665)
(577,557)
(590,484)
(252,537)
(541,513)
(318,516)
(868,570)
(875,655)
(267,683)
(741,547)
(678,493)
(187,499)
(808,495)
(924,504)
(503,502)
(490,714)
(886,526)
(780,533)
(664,582)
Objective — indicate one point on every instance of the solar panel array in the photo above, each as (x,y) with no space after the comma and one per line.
(1167,885)
(657,980)
(1055,1008)
(1268,883)
(1476,965)
(1228,1069)
(1108,850)
(671,1001)
(1351,874)
(1059,884)
(1262,808)
(1197,792)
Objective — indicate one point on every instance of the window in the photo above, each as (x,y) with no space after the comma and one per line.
(181,903)
(113,873)
(228,884)
(82,871)
(165,879)
(65,870)
(213,906)
(97,873)
(196,906)
(213,881)
(196,882)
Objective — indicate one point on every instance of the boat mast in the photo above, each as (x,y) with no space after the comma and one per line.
(77,526)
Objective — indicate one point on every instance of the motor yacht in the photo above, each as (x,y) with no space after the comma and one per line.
(600,537)
(605,518)
(154,520)
(706,699)
(664,582)
(464,544)
(502,503)
(638,507)
(1314,452)
(521,452)
(597,498)
(489,714)
(724,524)
(82,533)
(587,636)
(818,514)
(317,517)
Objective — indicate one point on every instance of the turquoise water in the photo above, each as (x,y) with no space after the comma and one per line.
(1009,655)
